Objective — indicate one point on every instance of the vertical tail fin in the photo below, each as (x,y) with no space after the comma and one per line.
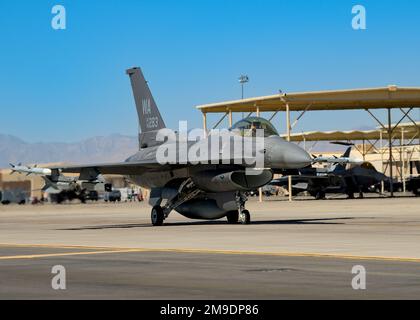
(347,153)
(150,119)
(342,167)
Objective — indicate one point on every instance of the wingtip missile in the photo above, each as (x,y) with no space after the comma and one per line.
(337,160)
(28,170)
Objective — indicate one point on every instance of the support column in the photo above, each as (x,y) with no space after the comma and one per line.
(288,121)
(289,182)
(402,160)
(391,171)
(381,146)
(364,150)
(260,195)
(288,139)
(205,123)
(230,119)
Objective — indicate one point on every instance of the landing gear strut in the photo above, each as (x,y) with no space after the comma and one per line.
(244,215)
(186,191)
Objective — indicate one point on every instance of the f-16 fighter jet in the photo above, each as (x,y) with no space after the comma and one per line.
(59,187)
(200,178)
(359,177)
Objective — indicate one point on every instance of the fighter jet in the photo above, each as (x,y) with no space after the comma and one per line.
(60,187)
(343,160)
(358,177)
(337,160)
(205,186)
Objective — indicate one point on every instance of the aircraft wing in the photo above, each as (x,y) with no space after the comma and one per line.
(90,171)
(122,168)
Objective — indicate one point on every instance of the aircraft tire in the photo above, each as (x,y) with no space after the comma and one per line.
(232,217)
(320,195)
(245,217)
(157,216)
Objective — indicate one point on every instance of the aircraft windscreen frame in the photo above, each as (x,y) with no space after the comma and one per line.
(248,127)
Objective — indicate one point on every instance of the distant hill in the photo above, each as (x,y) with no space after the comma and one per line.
(97,149)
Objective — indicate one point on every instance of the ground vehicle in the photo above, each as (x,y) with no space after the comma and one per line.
(12,196)
(112,196)
(267,191)
(92,195)
(413,185)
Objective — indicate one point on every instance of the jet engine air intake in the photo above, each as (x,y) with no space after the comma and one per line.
(216,181)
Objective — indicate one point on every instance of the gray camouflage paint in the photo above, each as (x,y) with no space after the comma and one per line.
(218,182)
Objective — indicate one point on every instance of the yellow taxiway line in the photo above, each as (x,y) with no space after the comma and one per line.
(62,254)
(112,250)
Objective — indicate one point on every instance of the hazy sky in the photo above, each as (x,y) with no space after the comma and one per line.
(66,85)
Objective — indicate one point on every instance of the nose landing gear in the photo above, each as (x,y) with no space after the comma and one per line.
(244,216)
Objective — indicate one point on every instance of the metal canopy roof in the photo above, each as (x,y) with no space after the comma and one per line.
(374,98)
(337,135)
(410,131)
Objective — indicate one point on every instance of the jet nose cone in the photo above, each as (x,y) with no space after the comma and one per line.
(287,155)
(297,158)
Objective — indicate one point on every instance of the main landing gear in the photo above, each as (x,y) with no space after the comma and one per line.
(157,216)
(186,192)
(241,215)
(232,217)
(245,217)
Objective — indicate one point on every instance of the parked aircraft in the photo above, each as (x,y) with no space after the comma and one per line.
(62,188)
(356,178)
(211,188)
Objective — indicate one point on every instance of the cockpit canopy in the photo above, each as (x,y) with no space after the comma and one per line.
(369,166)
(247,127)
(365,165)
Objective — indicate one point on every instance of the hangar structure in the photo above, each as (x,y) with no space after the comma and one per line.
(370,145)
(403,99)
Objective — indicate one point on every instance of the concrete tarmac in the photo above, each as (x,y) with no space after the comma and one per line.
(299,250)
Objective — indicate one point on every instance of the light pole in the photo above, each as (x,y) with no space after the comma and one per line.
(242,80)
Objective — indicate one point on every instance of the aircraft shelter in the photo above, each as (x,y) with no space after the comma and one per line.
(371,146)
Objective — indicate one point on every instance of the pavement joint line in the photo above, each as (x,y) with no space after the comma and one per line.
(105,250)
